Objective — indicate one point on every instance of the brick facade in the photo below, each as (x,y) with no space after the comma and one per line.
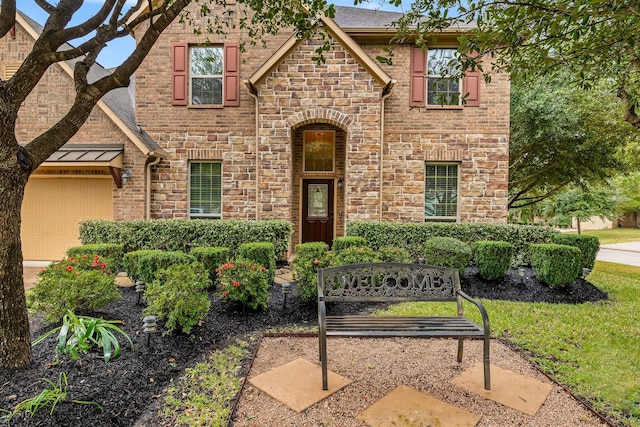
(382,144)
(383,173)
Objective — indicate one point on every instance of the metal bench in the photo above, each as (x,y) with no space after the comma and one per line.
(396,282)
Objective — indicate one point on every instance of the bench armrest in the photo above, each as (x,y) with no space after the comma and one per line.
(483,312)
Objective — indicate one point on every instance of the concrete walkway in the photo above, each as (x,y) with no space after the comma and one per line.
(621,253)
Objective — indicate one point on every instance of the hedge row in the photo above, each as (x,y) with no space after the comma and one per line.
(183,234)
(411,236)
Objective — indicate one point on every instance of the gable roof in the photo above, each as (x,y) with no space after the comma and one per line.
(117,104)
(341,37)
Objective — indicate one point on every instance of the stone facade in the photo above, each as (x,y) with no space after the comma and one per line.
(380,155)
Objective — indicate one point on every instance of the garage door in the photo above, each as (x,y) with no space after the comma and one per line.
(52,209)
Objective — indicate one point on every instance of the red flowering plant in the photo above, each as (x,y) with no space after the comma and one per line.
(74,283)
(244,281)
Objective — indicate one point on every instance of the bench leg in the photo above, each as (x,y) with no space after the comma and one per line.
(460,341)
(485,358)
(323,358)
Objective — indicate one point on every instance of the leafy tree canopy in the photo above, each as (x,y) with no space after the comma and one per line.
(562,136)
(593,40)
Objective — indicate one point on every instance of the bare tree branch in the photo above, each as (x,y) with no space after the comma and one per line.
(90,24)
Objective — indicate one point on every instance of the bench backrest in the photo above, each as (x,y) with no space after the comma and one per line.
(388,282)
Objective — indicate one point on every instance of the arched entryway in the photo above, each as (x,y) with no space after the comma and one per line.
(318,171)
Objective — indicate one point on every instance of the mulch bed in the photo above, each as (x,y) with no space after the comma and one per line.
(128,389)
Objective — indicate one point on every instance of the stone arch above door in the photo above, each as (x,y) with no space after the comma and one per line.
(319,115)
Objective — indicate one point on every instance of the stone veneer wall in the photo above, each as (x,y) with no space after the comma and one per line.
(299,93)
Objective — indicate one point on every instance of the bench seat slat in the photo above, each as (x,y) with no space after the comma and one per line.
(406,326)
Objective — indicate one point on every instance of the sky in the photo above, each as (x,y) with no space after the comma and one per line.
(117,50)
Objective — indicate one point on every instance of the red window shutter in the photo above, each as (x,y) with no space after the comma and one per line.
(179,73)
(231,77)
(418,78)
(471,87)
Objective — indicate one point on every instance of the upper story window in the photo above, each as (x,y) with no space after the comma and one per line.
(319,150)
(431,83)
(441,192)
(442,89)
(205,75)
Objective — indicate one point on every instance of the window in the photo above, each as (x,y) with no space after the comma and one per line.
(205,75)
(205,190)
(430,83)
(441,192)
(441,88)
(318,151)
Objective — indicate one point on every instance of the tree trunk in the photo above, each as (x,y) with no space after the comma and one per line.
(15,339)
(635,219)
(578,222)
(15,167)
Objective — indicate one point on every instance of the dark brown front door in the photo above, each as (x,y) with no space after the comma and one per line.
(317,210)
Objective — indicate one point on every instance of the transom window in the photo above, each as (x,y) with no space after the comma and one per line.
(442,89)
(205,190)
(319,149)
(441,192)
(206,75)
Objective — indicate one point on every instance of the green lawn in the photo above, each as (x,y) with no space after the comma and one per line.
(616,235)
(591,348)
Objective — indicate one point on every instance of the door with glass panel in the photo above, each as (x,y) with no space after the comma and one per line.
(317,210)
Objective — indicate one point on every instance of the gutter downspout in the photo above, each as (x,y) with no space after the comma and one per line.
(386,92)
(253,92)
(148,187)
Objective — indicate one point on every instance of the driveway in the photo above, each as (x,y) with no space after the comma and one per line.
(621,253)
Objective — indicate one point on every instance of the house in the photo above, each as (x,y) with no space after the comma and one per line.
(213,132)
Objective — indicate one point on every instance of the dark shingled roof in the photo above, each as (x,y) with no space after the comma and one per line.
(355,17)
(118,100)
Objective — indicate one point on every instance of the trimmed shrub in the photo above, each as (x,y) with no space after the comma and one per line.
(355,255)
(73,284)
(393,254)
(211,259)
(246,282)
(309,258)
(111,251)
(411,236)
(178,295)
(556,265)
(447,252)
(342,243)
(183,234)
(262,253)
(588,245)
(153,262)
(131,262)
(492,258)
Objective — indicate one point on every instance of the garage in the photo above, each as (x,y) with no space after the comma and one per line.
(53,207)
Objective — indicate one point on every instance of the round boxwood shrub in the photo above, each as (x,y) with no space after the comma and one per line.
(211,258)
(309,258)
(556,265)
(262,253)
(492,258)
(588,245)
(342,243)
(150,264)
(447,252)
(393,254)
(131,262)
(355,255)
(178,295)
